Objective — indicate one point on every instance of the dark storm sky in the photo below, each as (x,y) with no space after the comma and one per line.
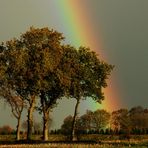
(125,28)
(124,31)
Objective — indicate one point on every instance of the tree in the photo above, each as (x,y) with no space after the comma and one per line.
(101,119)
(67,125)
(32,60)
(54,80)
(121,121)
(9,94)
(94,121)
(139,118)
(136,115)
(17,105)
(37,65)
(86,122)
(59,82)
(6,129)
(89,78)
(16,61)
(41,45)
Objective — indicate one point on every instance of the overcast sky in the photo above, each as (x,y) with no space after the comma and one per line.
(124,32)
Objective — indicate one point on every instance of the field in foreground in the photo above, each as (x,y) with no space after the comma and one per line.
(70,146)
(59,141)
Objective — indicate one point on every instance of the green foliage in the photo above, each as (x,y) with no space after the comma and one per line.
(38,65)
(67,125)
(90,122)
(101,119)
(90,75)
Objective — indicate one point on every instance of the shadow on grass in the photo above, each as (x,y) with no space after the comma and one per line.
(45,142)
(101,143)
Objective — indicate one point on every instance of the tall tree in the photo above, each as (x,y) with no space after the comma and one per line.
(90,76)
(38,65)
(17,73)
(59,83)
(7,90)
(44,50)
(17,105)
(31,59)
(56,80)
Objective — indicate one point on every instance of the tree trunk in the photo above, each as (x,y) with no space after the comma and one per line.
(45,125)
(18,128)
(30,117)
(73,131)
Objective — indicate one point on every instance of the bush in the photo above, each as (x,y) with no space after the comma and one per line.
(6,129)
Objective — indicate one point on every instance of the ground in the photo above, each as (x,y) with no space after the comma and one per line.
(59,141)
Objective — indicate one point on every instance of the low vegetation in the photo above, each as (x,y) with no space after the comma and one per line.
(104,141)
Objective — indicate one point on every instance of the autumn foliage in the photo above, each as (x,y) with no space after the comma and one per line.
(39,65)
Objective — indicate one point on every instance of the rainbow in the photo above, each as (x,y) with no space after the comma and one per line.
(80,32)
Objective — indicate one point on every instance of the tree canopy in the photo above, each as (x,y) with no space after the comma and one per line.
(39,65)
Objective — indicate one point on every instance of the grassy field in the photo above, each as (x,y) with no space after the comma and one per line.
(59,141)
(70,146)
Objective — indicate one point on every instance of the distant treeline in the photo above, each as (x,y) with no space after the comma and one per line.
(122,121)
(119,122)
(6,129)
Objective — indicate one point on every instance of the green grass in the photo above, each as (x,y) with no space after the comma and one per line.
(57,141)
